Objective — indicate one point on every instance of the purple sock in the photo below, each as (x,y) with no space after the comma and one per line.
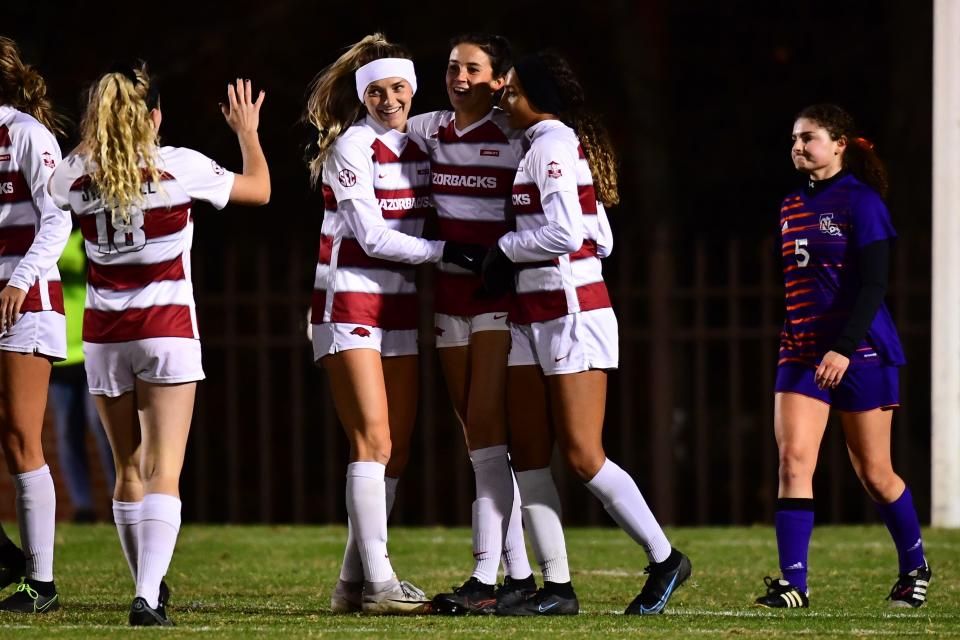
(900,516)
(794,524)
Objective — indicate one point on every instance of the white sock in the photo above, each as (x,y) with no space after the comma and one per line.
(491,509)
(126,515)
(625,504)
(159,526)
(515,561)
(540,505)
(37,515)
(352,568)
(367,510)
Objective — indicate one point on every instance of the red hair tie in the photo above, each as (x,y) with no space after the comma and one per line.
(863,142)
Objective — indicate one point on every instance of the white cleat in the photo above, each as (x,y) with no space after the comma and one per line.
(347,597)
(398,598)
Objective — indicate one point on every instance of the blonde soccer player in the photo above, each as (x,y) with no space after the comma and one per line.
(141,344)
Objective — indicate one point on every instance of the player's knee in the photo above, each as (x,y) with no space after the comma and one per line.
(796,464)
(584,462)
(374,447)
(879,482)
(22,454)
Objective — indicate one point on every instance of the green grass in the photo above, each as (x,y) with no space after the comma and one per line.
(254,582)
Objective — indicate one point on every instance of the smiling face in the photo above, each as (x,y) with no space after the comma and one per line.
(814,152)
(520,113)
(388,102)
(470,81)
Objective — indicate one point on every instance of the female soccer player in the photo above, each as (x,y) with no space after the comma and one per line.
(838,348)
(376,187)
(140,337)
(33,232)
(473,159)
(564,331)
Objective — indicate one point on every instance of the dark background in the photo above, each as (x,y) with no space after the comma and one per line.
(700,99)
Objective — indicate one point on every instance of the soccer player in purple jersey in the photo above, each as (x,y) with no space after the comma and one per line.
(838,348)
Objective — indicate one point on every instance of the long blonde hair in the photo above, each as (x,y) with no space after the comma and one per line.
(25,89)
(332,105)
(117,135)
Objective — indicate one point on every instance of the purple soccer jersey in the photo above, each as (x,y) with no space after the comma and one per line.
(820,240)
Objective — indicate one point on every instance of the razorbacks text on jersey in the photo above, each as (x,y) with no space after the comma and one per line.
(33,230)
(472,173)
(138,274)
(353,284)
(820,237)
(551,285)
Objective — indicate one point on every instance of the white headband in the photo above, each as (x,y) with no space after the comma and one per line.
(385,68)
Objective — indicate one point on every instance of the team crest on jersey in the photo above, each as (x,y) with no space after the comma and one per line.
(217,169)
(553,170)
(361,331)
(827,226)
(48,160)
(347,178)
(784,227)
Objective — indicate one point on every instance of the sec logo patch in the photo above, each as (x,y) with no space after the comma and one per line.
(217,169)
(347,178)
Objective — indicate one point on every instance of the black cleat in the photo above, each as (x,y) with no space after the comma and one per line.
(163,598)
(911,588)
(782,595)
(472,597)
(542,603)
(141,615)
(664,578)
(26,599)
(513,590)
(13,564)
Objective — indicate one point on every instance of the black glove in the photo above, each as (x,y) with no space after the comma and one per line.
(498,273)
(468,256)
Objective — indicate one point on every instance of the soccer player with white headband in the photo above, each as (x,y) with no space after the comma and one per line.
(376,191)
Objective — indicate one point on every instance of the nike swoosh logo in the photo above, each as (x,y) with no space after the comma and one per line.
(663,598)
(501,317)
(468,258)
(544,609)
(563,358)
(381,175)
(47,604)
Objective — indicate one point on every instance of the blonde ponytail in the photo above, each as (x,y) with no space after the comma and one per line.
(117,135)
(332,105)
(22,87)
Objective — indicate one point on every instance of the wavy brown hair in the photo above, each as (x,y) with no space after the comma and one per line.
(117,135)
(859,158)
(332,105)
(22,87)
(593,135)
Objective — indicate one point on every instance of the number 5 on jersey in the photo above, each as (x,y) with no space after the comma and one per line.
(802,255)
(125,238)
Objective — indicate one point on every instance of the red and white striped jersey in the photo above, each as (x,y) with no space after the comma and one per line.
(562,231)
(138,275)
(33,230)
(376,197)
(472,177)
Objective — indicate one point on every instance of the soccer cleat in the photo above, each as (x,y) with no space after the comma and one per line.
(163,598)
(143,615)
(472,597)
(782,595)
(13,565)
(513,590)
(660,585)
(26,599)
(911,588)
(541,603)
(401,597)
(347,597)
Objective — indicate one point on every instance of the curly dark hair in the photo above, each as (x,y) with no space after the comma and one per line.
(496,47)
(859,158)
(594,138)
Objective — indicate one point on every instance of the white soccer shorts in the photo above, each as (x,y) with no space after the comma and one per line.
(113,367)
(455,331)
(569,344)
(41,332)
(333,337)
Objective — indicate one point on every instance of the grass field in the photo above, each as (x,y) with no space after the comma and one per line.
(255,581)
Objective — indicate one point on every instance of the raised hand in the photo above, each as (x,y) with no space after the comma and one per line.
(241,112)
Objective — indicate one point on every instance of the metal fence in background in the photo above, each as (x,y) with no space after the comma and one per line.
(689,411)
